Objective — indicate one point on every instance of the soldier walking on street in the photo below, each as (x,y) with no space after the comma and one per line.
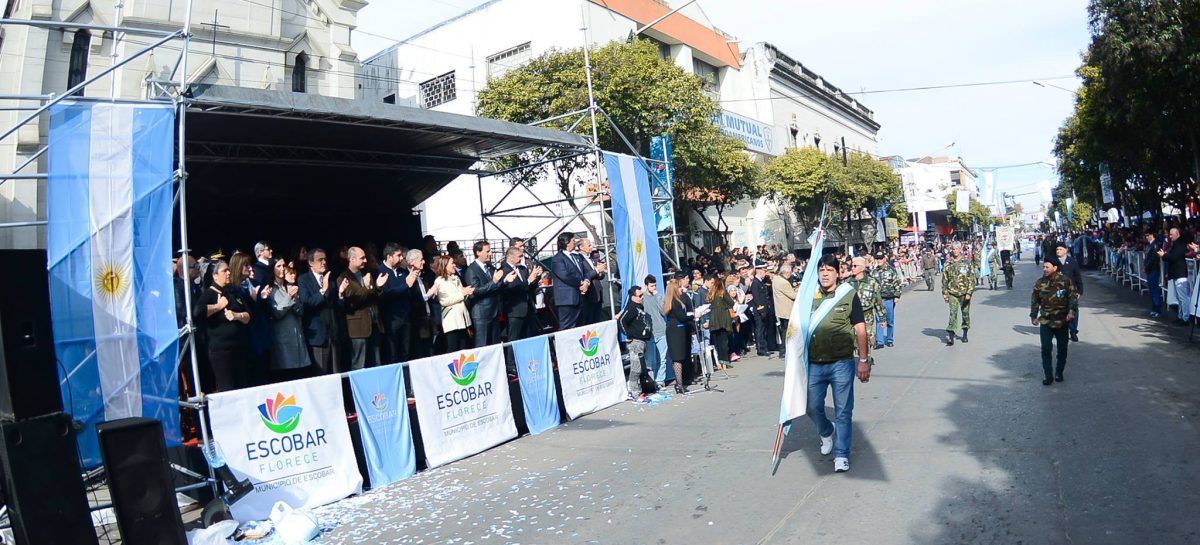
(1053,306)
(958,283)
(995,266)
(868,292)
(890,287)
(929,265)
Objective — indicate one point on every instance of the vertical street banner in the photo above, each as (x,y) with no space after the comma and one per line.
(662,182)
(291,440)
(962,201)
(1106,184)
(633,219)
(1005,238)
(462,403)
(590,368)
(538,393)
(382,406)
(985,265)
(109,206)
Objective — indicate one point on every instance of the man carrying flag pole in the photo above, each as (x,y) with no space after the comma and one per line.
(821,343)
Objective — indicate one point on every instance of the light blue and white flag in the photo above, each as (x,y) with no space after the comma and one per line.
(799,332)
(112,298)
(382,405)
(538,394)
(633,220)
(985,268)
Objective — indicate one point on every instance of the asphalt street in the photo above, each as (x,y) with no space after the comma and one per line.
(955,444)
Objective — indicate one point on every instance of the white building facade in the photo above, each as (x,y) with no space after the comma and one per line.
(301,45)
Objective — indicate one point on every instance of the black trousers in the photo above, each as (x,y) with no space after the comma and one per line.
(1049,337)
(322,358)
(764,334)
(456,340)
(517,328)
(568,316)
(720,340)
(396,340)
(487,330)
(783,325)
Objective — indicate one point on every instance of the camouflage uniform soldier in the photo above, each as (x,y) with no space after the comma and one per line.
(1054,304)
(958,283)
(890,288)
(994,263)
(868,293)
(929,264)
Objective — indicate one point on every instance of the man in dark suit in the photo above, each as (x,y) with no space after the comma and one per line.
(320,314)
(593,273)
(569,283)
(484,303)
(264,275)
(763,306)
(518,293)
(395,304)
(359,297)
(422,308)
(1070,269)
(1175,260)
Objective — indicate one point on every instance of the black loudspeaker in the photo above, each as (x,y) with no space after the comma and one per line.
(28,377)
(139,480)
(42,482)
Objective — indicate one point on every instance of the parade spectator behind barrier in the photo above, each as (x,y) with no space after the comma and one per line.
(518,293)
(320,315)
(785,298)
(263,253)
(1053,306)
(395,304)
(424,314)
(679,339)
(452,296)
(720,317)
(359,298)
(1151,266)
(1175,259)
(593,273)
(289,354)
(257,296)
(226,317)
(484,302)
(657,353)
(636,325)
(569,283)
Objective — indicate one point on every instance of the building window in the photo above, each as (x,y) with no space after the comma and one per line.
(390,99)
(502,62)
(77,69)
(955,178)
(710,75)
(439,90)
(300,74)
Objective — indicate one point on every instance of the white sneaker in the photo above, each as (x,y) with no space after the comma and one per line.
(841,465)
(826,445)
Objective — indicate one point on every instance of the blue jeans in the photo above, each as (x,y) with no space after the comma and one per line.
(839,375)
(1152,280)
(1184,295)
(657,360)
(889,316)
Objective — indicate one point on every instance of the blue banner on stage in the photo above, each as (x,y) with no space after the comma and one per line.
(109,204)
(532,357)
(382,405)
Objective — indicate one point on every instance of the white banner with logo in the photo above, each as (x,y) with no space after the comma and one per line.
(291,440)
(463,404)
(590,368)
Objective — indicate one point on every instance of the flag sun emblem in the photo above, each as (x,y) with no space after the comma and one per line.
(112,280)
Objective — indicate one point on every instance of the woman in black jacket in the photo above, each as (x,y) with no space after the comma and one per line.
(679,329)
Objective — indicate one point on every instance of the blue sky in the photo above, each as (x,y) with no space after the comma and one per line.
(888,44)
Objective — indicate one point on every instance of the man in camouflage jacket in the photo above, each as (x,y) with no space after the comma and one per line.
(994,264)
(890,287)
(868,293)
(958,283)
(929,266)
(1054,304)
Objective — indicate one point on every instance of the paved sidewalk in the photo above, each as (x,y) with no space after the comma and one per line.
(955,444)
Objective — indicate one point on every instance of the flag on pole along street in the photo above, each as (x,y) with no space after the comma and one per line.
(109,204)
(633,220)
(538,394)
(985,268)
(291,440)
(382,406)
(590,368)
(462,403)
(795,371)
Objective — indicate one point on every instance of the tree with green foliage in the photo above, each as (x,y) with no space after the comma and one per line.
(976,215)
(645,96)
(807,178)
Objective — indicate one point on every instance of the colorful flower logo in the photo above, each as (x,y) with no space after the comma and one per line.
(589,343)
(380,402)
(280,415)
(462,370)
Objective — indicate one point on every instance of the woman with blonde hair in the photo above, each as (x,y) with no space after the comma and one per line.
(452,296)
(679,325)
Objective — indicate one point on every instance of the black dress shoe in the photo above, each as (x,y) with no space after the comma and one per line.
(964,335)
(1074,337)
(1058,378)
(1047,381)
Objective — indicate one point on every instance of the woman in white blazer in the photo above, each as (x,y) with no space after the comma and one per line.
(453,298)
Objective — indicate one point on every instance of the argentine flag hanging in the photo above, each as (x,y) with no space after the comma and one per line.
(112,297)
(794,402)
(633,220)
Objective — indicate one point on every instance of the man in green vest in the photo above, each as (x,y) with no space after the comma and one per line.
(838,329)
(958,283)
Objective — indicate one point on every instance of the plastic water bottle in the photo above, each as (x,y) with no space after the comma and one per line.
(214,454)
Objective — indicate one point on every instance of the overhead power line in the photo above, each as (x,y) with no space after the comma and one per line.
(905,89)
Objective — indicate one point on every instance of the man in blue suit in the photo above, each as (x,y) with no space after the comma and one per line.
(569,283)
(395,303)
(484,303)
(320,312)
